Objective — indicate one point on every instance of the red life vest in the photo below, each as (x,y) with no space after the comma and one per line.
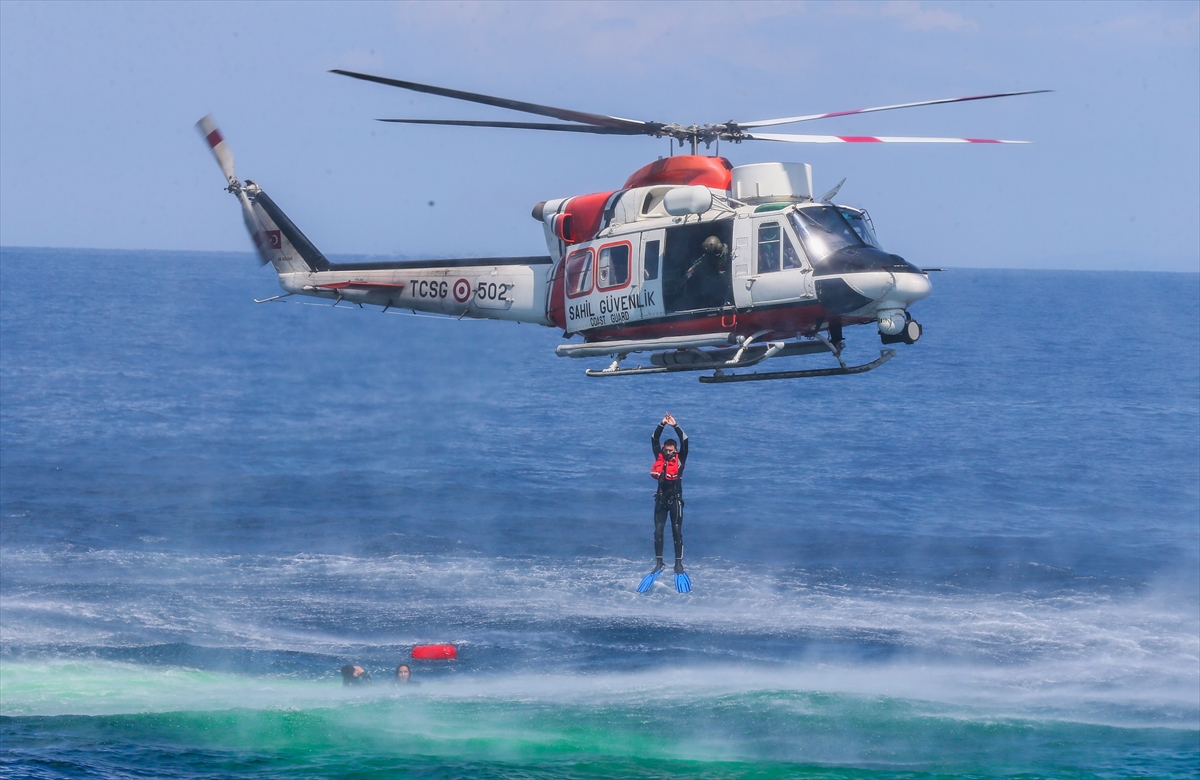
(666,469)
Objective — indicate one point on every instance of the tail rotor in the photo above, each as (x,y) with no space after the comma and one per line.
(216,142)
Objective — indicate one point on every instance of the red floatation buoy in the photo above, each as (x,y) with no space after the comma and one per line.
(434,652)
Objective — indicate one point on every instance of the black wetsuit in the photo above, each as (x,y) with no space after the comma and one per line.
(668,499)
(706,282)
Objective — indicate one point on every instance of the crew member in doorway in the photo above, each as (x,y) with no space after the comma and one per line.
(669,460)
(706,281)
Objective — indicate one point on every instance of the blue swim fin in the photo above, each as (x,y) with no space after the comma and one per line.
(648,580)
(683,583)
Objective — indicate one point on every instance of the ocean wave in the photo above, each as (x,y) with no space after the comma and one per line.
(1128,657)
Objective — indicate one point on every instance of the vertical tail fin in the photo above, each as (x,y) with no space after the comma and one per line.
(282,244)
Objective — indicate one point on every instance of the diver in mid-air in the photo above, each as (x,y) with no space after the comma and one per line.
(669,461)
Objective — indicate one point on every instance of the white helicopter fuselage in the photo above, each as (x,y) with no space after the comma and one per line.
(719,266)
(630,275)
(713,280)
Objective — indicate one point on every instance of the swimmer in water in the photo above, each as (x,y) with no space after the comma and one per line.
(355,675)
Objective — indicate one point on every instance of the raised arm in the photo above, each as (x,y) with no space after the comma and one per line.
(683,444)
(654,445)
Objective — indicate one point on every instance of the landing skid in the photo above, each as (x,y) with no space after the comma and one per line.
(744,356)
(720,376)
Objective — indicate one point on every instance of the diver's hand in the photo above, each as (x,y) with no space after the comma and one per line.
(668,419)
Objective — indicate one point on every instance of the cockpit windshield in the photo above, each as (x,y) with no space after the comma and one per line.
(824,231)
(861,222)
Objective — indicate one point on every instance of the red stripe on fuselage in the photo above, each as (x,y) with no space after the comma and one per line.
(214,138)
(343,285)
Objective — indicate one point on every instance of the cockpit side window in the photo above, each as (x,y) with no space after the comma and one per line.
(791,256)
(776,250)
(769,247)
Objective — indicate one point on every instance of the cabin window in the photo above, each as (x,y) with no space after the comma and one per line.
(650,260)
(613,267)
(579,273)
(769,247)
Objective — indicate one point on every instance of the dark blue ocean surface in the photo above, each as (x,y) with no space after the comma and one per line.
(981,558)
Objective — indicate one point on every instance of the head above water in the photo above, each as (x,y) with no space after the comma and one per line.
(669,448)
(403,672)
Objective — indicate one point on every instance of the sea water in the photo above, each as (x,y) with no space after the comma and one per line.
(980,559)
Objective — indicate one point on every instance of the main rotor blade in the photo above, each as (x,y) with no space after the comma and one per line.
(810,117)
(515,105)
(869,139)
(525,126)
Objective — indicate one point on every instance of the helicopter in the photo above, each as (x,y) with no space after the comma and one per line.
(704,265)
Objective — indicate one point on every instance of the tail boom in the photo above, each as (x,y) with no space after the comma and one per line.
(502,288)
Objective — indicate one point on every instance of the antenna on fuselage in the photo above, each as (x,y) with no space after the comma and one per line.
(833,192)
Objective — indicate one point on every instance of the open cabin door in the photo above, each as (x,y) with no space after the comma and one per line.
(694,279)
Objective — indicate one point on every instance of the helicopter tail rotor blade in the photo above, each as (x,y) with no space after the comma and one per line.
(868,139)
(516,105)
(562,128)
(810,117)
(216,142)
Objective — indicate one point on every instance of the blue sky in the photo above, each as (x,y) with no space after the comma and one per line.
(98,101)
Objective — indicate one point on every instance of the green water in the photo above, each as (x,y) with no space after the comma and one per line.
(533,727)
